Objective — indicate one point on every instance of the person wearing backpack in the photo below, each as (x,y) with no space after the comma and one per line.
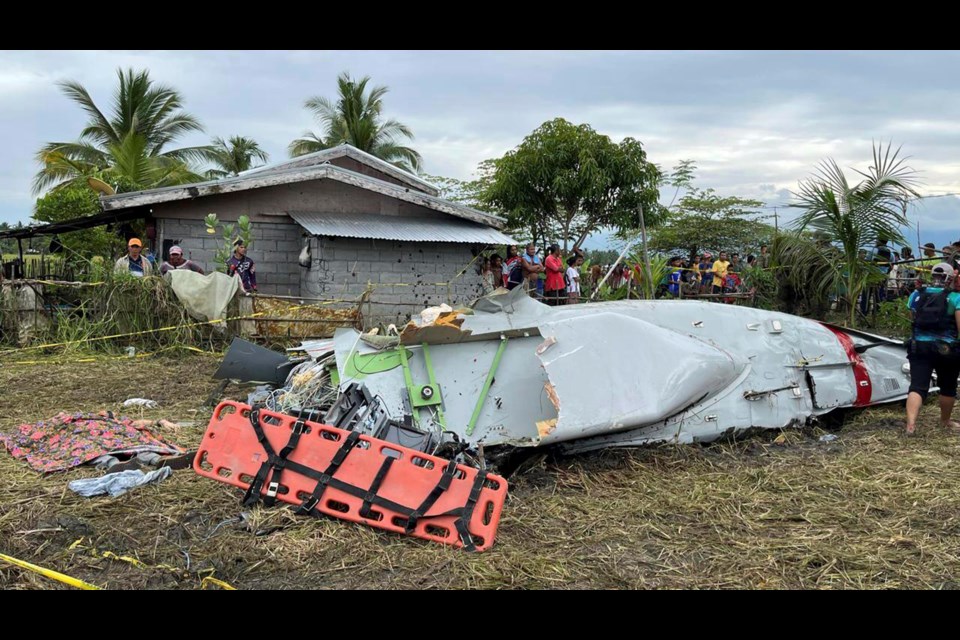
(935,345)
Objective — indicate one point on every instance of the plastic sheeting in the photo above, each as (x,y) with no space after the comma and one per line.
(204,297)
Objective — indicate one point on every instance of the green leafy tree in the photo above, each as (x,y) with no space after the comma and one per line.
(566,181)
(466,192)
(7,245)
(233,156)
(856,215)
(702,220)
(76,201)
(128,147)
(681,177)
(356,118)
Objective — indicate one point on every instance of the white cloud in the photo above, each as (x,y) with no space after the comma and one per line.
(755,122)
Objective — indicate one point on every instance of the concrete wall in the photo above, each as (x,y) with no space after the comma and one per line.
(275,250)
(404,274)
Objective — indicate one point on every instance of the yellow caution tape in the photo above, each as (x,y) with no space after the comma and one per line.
(169,328)
(219,583)
(49,573)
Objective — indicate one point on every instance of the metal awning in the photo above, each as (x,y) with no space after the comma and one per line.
(410,229)
(76,224)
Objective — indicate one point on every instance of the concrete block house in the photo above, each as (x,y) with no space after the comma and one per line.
(364,220)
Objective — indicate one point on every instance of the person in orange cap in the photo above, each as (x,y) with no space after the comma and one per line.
(134,263)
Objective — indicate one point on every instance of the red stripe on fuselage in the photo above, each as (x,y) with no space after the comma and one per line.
(860,373)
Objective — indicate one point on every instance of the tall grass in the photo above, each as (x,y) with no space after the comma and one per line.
(139,312)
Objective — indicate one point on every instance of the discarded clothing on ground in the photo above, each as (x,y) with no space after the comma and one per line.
(140,402)
(69,440)
(117,484)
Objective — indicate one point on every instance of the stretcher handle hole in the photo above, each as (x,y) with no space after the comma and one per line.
(272,420)
(374,515)
(422,462)
(224,472)
(329,435)
(391,453)
(204,464)
(226,410)
(339,507)
(491,484)
(437,530)
(246,478)
(488,513)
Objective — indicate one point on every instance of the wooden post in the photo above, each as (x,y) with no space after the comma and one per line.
(248,327)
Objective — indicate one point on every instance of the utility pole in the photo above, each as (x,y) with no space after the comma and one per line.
(646,256)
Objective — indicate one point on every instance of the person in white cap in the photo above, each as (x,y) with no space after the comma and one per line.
(935,345)
(176,261)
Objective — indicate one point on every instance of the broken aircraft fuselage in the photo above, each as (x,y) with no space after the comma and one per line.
(517,372)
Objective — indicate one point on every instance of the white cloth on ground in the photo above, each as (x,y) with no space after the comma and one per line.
(117,484)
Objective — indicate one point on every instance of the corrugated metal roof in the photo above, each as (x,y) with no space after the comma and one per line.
(380,227)
(319,157)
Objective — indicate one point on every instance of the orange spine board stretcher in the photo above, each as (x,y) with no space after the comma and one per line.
(366,480)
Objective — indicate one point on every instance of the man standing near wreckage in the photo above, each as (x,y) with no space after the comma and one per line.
(240,265)
(134,263)
(935,345)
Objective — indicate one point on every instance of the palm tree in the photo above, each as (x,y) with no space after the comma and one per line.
(857,215)
(234,156)
(145,120)
(355,119)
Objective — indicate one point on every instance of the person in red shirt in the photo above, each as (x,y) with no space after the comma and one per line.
(554,288)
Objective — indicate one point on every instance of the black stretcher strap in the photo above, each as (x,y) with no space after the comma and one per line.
(324,479)
(442,486)
(369,495)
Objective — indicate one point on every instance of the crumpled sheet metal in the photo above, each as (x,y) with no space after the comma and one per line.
(517,400)
(445,329)
(636,372)
(604,372)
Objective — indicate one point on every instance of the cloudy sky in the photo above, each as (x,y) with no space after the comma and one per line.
(755,122)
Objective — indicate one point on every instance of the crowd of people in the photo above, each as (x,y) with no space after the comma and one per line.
(557,279)
(138,264)
(552,279)
(904,273)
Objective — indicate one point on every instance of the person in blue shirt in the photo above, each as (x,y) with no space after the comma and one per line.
(674,277)
(532,268)
(935,345)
